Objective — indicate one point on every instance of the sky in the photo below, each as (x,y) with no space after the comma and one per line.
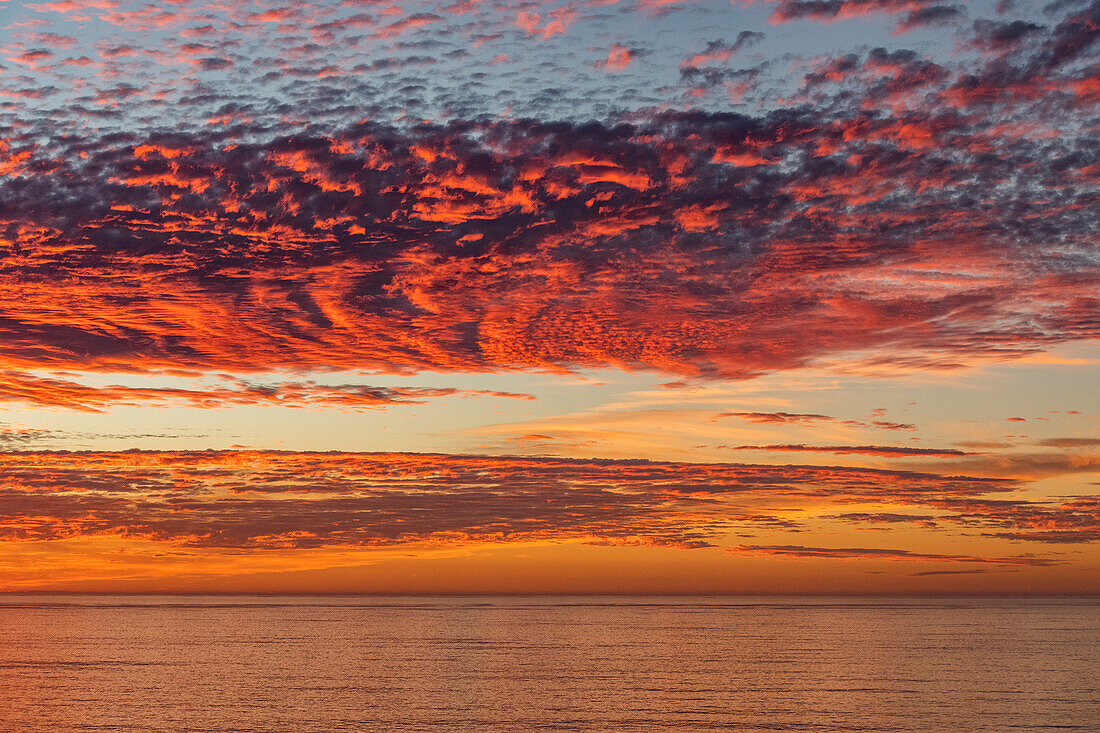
(604,296)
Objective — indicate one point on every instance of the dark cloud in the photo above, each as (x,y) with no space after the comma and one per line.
(1072,38)
(1002,37)
(931,15)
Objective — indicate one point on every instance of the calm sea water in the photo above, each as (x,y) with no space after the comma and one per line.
(113,663)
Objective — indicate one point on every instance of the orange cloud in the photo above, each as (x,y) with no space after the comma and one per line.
(269,499)
(66,394)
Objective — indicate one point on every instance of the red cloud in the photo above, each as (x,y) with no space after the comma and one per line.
(871,223)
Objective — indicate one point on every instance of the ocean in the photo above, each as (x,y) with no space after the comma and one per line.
(264,663)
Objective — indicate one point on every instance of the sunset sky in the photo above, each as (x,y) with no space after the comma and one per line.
(640,296)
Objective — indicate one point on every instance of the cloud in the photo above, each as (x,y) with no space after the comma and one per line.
(17,436)
(1025,465)
(932,15)
(270,499)
(923,520)
(872,450)
(972,571)
(66,394)
(191,190)
(554,22)
(864,553)
(827,10)
(810,419)
(1074,521)
(618,58)
(779,417)
(719,51)
(998,37)
(891,211)
(1053,536)
(416,20)
(1069,442)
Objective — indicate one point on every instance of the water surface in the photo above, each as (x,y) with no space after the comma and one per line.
(243,663)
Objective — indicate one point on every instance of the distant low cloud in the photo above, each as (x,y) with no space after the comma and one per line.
(865,553)
(872,450)
(271,499)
